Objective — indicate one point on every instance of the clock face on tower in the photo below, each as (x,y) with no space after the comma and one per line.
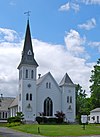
(29,85)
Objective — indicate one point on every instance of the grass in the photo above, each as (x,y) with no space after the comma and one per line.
(60,130)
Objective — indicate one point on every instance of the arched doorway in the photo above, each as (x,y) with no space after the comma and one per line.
(48,107)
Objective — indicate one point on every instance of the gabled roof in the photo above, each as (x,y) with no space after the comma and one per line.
(5,102)
(14,102)
(27,54)
(41,79)
(95,110)
(66,80)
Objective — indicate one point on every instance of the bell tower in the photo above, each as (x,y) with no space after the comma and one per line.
(27,79)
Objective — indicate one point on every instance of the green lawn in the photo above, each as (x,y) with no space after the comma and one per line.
(60,130)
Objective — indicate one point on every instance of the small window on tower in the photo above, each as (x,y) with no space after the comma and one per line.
(67,99)
(70,99)
(27,96)
(26,73)
(29,52)
(32,74)
(30,96)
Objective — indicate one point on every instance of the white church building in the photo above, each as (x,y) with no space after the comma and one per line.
(42,95)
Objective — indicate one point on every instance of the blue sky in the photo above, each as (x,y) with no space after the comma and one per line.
(49,23)
(68,28)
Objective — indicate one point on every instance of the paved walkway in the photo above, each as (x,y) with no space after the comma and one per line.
(6,132)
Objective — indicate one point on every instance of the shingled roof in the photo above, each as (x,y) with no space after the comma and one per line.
(5,102)
(66,80)
(14,102)
(96,110)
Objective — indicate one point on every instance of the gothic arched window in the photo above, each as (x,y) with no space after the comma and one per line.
(48,107)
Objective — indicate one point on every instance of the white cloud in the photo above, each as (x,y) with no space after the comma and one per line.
(74,43)
(90,24)
(58,60)
(75,7)
(87,2)
(65,7)
(50,57)
(8,35)
(68,6)
(95,44)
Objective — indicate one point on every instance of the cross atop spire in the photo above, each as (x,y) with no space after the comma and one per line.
(28,14)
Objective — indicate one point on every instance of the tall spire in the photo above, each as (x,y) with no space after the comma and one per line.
(27,54)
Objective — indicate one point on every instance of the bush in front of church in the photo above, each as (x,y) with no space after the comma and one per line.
(60,116)
(39,119)
(18,118)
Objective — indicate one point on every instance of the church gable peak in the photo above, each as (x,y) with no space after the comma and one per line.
(66,80)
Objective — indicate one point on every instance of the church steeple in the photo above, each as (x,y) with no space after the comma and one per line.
(28,54)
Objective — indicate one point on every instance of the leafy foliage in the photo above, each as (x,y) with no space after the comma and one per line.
(60,116)
(83,104)
(17,118)
(95,87)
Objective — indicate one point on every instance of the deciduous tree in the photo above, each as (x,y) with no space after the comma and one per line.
(95,87)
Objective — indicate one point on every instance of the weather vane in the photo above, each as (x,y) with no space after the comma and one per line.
(28,14)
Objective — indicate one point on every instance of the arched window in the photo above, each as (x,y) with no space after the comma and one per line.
(27,96)
(26,73)
(29,52)
(48,107)
(30,96)
(32,74)
(67,99)
(70,99)
(47,85)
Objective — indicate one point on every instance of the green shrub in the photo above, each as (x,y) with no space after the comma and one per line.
(39,119)
(52,120)
(60,116)
(59,120)
(11,119)
(17,118)
(44,119)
